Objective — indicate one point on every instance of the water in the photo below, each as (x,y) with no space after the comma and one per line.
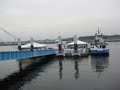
(90,73)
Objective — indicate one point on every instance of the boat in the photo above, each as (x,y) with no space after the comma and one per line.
(99,46)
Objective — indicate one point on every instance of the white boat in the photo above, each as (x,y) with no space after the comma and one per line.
(99,46)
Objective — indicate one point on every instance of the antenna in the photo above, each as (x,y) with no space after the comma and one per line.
(98,30)
(58,33)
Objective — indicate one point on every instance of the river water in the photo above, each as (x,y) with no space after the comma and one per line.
(90,73)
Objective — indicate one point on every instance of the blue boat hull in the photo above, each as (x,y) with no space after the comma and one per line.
(99,52)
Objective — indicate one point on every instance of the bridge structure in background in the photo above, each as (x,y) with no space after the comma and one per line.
(2,42)
(14,55)
(8,33)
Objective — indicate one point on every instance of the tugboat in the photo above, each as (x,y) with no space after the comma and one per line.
(99,46)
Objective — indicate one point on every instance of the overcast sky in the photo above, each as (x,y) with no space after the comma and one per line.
(43,19)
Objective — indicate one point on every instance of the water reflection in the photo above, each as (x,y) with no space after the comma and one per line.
(60,69)
(31,68)
(76,74)
(76,67)
(28,70)
(99,63)
(27,63)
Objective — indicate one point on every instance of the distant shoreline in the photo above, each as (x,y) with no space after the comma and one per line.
(112,38)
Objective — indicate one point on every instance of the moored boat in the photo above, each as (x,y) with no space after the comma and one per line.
(99,46)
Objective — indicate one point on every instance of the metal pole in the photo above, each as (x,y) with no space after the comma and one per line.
(19,44)
(75,43)
(31,43)
(59,43)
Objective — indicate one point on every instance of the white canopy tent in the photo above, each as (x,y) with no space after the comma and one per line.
(35,45)
(78,42)
(81,44)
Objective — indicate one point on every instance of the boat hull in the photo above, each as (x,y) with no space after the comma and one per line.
(99,52)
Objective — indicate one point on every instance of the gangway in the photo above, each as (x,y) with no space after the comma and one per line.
(13,55)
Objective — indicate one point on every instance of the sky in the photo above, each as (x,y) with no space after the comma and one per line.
(42,19)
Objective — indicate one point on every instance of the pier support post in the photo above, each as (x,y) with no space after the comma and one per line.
(19,44)
(75,43)
(20,65)
(31,43)
(59,44)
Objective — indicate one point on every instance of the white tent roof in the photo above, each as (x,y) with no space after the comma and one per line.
(36,45)
(78,42)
